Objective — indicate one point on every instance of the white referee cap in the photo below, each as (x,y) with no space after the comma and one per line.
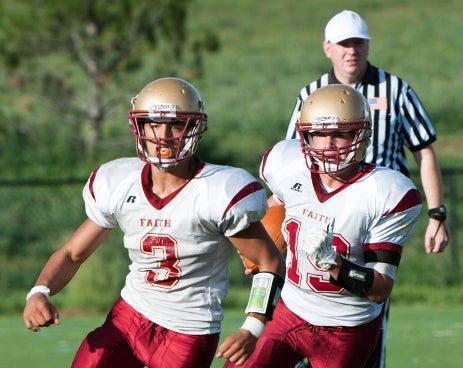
(344,25)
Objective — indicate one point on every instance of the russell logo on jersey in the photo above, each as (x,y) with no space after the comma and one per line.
(297,187)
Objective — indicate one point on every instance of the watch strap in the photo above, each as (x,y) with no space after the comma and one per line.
(438,213)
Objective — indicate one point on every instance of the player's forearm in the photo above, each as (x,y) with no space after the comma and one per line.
(381,289)
(273,265)
(58,271)
(360,280)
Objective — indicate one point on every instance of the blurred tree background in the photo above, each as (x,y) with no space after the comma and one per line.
(69,69)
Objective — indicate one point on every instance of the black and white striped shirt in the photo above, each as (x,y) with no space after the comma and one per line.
(398,117)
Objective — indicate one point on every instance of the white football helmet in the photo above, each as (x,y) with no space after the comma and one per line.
(168,100)
(331,108)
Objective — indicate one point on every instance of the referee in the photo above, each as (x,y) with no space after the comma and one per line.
(399,120)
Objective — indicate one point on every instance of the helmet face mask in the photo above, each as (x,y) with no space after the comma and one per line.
(176,104)
(329,110)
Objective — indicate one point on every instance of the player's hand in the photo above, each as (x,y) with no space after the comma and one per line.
(237,347)
(39,312)
(317,244)
(247,271)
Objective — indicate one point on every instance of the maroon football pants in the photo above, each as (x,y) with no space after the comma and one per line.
(128,340)
(287,339)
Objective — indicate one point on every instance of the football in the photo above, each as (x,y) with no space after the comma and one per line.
(272,223)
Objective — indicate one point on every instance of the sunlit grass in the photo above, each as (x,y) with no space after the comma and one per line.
(421,336)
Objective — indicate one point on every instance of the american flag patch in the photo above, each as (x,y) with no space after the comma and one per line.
(378,103)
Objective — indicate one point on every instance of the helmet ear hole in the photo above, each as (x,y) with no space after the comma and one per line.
(334,108)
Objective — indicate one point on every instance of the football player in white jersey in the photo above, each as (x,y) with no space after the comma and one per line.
(181,218)
(345,225)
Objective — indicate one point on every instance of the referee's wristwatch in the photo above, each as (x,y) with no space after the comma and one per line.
(438,213)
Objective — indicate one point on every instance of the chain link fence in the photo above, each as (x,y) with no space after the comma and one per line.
(36,216)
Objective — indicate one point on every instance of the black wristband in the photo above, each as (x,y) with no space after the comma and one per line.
(357,279)
(438,213)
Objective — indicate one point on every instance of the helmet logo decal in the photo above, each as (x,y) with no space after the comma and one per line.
(327,119)
(325,122)
(167,109)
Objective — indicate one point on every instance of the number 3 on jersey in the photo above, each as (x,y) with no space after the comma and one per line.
(164,248)
(314,281)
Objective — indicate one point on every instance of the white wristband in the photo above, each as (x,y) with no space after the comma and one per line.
(39,289)
(254,326)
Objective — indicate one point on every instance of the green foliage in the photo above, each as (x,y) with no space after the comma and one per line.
(99,280)
(68,66)
(36,222)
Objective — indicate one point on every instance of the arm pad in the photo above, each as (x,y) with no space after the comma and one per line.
(357,279)
(265,292)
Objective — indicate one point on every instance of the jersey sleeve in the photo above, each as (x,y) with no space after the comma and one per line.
(233,199)
(385,240)
(103,188)
(419,129)
(246,205)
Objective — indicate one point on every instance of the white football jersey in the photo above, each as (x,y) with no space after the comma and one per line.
(374,214)
(177,245)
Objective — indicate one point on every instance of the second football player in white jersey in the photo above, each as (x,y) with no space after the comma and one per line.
(345,226)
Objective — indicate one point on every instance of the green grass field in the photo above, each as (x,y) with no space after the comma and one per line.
(419,336)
